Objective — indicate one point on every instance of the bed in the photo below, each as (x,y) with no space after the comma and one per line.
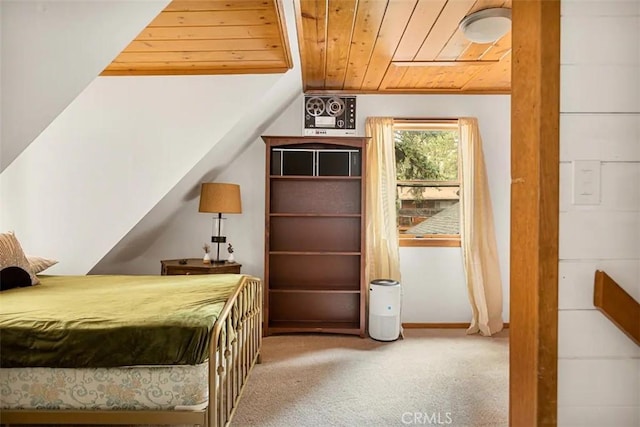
(128,349)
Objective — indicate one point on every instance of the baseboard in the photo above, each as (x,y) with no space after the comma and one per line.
(460,325)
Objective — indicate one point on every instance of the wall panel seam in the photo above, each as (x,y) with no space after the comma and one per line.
(599,358)
(603,162)
(591,260)
(601,113)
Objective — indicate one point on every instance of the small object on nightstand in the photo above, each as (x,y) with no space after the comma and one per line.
(206,259)
(231,258)
(182,262)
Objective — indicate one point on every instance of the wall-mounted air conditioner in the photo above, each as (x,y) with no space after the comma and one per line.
(329,115)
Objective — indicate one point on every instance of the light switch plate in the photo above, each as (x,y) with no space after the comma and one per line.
(586,182)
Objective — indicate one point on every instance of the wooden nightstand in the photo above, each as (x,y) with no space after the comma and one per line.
(172,267)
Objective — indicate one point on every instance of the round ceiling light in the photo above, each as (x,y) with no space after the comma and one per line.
(486,26)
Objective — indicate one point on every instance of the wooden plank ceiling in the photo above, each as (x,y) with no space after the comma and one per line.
(398,46)
(209,37)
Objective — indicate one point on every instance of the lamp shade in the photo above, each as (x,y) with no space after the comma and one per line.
(220,198)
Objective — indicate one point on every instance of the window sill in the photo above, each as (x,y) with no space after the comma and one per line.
(431,242)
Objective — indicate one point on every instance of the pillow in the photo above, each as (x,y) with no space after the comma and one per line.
(15,270)
(39,264)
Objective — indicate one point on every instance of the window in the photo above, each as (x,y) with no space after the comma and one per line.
(428,183)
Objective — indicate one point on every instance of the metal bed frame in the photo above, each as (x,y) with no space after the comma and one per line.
(237,335)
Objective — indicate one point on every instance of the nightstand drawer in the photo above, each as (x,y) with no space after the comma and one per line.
(196,266)
(176,271)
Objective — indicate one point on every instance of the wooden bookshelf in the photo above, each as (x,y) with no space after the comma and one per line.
(314,243)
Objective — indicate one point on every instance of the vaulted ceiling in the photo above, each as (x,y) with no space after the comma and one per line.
(351,46)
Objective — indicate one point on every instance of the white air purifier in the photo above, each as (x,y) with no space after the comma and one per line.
(385,298)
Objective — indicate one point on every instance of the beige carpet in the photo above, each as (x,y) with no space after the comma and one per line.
(432,377)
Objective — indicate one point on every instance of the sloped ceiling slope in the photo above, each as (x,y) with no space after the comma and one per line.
(51,51)
(209,37)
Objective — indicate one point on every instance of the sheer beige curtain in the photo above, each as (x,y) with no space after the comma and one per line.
(479,250)
(382,254)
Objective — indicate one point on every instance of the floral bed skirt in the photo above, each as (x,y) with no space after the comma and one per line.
(182,387)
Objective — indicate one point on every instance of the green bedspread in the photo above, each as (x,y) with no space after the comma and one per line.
(106,321)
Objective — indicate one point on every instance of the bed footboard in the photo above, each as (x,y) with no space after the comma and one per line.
(238,337)
(235,344)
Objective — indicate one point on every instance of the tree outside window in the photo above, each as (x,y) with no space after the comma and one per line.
(428,184)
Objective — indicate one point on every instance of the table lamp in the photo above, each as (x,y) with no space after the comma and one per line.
(219,198)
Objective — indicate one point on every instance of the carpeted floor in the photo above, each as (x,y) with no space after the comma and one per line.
(432,377)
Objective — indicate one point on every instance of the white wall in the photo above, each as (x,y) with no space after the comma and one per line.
(598,366)
(112,155)
(434,288)
(433,280)
(51,50)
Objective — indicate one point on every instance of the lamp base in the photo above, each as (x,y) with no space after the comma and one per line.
(219,262)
